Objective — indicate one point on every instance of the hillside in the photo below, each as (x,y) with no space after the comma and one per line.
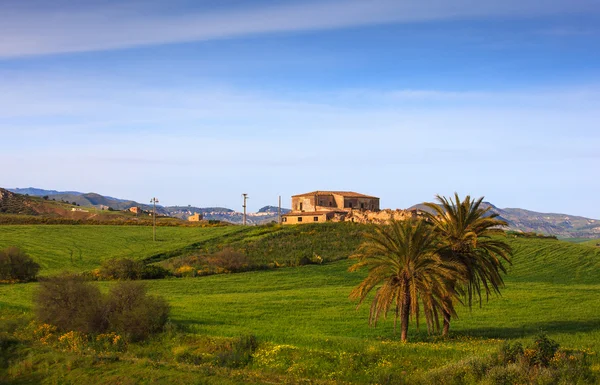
(264,215)
(307,327)
(11,203)
(560,225)
(81,248)
(23,209)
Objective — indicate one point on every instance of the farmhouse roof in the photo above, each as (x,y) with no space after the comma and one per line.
(346,194)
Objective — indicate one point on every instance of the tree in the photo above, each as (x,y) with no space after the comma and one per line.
(403,261)
(466,232)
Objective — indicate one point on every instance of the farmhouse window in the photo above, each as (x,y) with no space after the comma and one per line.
(299,219)
(316,219)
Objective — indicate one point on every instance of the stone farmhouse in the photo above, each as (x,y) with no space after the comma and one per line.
(322,206)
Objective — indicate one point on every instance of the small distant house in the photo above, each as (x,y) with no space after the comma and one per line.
(79,210)
(135,209)
(322,206)
(195,218)
(103,207)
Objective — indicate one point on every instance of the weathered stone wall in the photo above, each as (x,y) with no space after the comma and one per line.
(380,217)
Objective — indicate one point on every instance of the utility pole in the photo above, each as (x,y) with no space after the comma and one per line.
(154,201)
(279,211)
(244,206)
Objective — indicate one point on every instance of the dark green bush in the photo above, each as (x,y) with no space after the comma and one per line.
(543,362)
(130,311)
(7,345)
(155,272)
(240,353)
(229,260)
(510,353)
(16,265)
(124,269)
(72,304)
(544,349)
(121,269)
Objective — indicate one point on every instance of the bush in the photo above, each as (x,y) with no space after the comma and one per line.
(543,350)
(510,354)
(15,265)
(543,362)
(229,260)
(133,313)
(7,346)
(127,269)
(155,272)
(121,269)
(71,304)
(240,353)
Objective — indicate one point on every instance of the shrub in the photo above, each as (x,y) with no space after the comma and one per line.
(154,272)
(7,346)
(128,269)
(543,349)
(510,353)
(240,353)
(229,260)
(130,311)
(121,269)
(15,265)
(70,304)
(506,375)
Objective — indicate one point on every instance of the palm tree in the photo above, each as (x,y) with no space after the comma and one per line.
(403,261)
(466,231)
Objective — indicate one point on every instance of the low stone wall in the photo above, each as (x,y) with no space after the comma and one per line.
(379,217)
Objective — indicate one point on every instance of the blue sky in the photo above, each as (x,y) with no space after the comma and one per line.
(196,102)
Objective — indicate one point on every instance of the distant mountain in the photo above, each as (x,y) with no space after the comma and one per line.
(38,192)
(47,208)
(273,210)
(265,215)
(561,225)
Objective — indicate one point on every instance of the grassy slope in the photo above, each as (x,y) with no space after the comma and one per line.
(79,248)
(592,242)
(552,285)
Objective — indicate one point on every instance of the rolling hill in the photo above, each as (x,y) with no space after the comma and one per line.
(264,215)
(309,331)
(560,225)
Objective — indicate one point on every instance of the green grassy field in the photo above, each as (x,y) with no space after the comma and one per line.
(309,329)
(78,248)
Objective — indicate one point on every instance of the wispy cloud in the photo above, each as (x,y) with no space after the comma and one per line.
(48,29)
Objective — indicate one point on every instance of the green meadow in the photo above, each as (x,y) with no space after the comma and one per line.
(78,248)
(308,329)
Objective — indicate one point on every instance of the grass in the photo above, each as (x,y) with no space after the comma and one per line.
(309,329)
(78,248)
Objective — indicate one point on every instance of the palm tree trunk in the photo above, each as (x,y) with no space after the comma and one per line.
(404,315)
(446,328)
